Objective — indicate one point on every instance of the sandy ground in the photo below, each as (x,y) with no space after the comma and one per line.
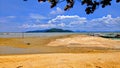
(70,51)
(81,60)
(67,40)
(85,41)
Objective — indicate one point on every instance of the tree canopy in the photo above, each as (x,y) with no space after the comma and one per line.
(91,5)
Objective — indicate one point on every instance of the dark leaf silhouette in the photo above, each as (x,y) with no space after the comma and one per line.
(90,4)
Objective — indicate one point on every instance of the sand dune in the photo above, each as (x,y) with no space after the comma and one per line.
(85,41)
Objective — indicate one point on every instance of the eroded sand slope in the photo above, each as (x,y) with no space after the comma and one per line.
(85,41)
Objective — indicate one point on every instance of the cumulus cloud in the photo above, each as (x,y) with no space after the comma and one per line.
(60,21)
(67,18)
(76,22)
(106,21)
(57,11)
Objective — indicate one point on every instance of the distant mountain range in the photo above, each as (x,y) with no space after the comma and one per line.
(49,30)
(62,30)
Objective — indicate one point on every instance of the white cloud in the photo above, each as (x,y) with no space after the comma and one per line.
(57,11)
(62,25)
(67,19)
(37,26)
(25,26)
(76,22)
(107,21)
(66,16)
(37,17)
(59,21)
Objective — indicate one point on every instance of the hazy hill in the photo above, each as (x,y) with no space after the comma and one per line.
(50,30)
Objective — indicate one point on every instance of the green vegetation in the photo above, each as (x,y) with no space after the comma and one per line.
(50,30)
(58,30)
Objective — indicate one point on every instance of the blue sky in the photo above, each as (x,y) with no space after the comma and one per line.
(19,16)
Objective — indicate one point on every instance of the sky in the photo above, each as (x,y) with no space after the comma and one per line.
(20,16)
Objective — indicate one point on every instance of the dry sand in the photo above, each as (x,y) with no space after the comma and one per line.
(70,51)
(81,60)
(67,40)
(85,41)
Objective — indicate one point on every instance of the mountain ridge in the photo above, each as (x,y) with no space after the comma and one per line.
(49,30)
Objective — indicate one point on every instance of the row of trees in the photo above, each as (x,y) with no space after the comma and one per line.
(91,5)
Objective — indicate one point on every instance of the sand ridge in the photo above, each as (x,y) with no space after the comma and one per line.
(85,41)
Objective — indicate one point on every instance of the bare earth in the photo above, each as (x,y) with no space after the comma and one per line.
(71,51)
